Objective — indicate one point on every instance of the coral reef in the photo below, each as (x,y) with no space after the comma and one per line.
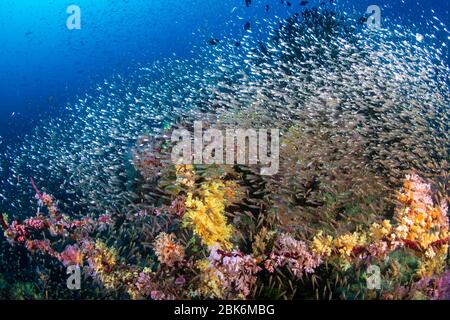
(418,230)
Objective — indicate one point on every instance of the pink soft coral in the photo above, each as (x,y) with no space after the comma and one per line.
(236,270)
(71,255)
(294,254)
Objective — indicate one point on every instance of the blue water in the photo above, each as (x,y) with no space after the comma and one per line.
(43,65)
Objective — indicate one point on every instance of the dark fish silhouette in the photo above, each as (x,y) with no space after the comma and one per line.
(262,48)
(248,3)
(304,3)
(247,26)
(267,8)
(213,41)
(288,3)
(237,44)
(363,20)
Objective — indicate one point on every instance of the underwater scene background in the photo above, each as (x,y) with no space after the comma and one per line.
(98,96)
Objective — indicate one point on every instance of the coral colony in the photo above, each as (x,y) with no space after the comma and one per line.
(418,232)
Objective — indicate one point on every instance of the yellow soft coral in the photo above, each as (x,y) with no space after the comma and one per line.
(104,256)
(433,261)
(345,243)
(261,242)
(210,284)
(103,260)
(206,214)
(322,245)
(113,274)
(205,207)
(185,175)
(380,231)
